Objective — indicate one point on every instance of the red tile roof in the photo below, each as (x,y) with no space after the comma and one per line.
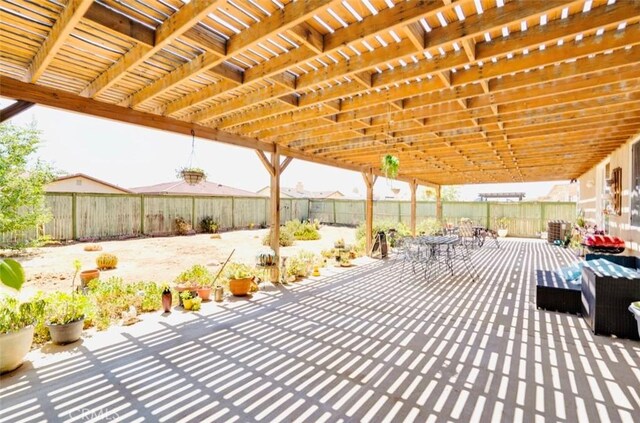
(204,188)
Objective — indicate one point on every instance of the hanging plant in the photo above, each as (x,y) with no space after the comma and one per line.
(390,166)
(190,174)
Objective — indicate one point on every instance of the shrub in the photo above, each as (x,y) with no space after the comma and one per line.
(113,296)
(429,226)
(401,229)
(302,231)
(15,315)
(62,308)
(106,261)
(209,225)
(286,237)
(182,226)
(197,275)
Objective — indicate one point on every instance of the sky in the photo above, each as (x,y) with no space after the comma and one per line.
(131,156)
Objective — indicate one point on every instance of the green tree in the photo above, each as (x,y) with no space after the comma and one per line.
(448,193)
(22,179)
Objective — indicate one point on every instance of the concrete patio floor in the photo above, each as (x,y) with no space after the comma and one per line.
(351,346)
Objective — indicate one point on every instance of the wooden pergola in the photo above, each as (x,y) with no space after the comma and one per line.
(468,91)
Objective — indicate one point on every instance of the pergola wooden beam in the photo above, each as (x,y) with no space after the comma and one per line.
(452,95)
(288,17)
(166,33)
(440,37)
(64,100)
(14,110)
(73,12)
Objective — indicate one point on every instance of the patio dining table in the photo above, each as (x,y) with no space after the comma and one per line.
(439,249)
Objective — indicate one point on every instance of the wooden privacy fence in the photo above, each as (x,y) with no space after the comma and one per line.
(97,216)
(526,219)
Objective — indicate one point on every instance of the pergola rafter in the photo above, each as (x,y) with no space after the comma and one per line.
(449,84)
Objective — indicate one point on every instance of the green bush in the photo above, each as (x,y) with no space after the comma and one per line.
(113,296)
(302,231)
(209,225)
(15,315)
(401,229)
(197,275)
(429,226)
(286,237)
(62,307)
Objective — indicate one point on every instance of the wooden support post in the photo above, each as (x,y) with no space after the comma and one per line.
(275,204)
(439,204)
(413,187)
(369,180)
(275,169)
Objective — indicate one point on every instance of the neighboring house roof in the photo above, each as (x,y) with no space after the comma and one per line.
(300,193)
(91,178)
(561,192)
(203,188)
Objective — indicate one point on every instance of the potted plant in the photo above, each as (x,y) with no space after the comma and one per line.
(503,226)
(167,298)
(187,299)
(192,175)
(87,276)
(240,278)
(65,316)
(390,166)
(198,279)
(66,312)
(345,261)
(16,319)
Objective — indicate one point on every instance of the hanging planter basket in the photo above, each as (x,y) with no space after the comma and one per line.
(390,166)
(192,176)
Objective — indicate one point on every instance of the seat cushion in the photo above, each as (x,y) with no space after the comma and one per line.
(606,268)
(572,273)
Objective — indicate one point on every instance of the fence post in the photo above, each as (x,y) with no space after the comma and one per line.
(233,219)
(335,220)
(543,213)
(399,212)
(488,214)
(74,211)
(193,213)
(141,214)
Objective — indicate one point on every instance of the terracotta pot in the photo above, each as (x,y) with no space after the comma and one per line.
(89,275)
(66,334)
(204,292)
(166,302)
(13,347)
(240,287)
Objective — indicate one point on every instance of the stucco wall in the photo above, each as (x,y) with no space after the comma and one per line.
(591,198)
(80,184)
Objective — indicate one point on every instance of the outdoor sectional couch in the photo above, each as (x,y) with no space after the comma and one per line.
(602,295)
(606,297)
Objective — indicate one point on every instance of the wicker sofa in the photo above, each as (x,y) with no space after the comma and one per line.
(606,297)
(556,294)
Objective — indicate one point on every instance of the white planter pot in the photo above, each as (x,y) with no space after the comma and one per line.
(502,233)
(13,347)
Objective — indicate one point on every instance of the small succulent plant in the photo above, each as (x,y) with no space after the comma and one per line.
(106,261)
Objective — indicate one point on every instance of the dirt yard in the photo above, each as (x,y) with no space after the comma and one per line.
(159,259)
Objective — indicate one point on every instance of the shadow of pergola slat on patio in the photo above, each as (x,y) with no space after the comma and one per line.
(356,346)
